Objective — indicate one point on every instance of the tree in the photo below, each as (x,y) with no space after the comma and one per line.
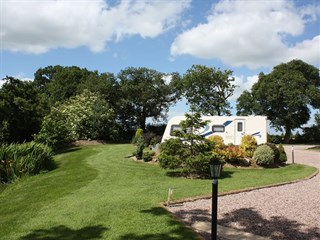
(189,150)
(144,94)
(59,83)
(85,116)
(208,89)
(284,95)
(21,110)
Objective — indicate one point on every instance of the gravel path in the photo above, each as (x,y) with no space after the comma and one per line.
(290,211)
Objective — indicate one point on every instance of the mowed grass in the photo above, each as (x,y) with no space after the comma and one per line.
(97,193)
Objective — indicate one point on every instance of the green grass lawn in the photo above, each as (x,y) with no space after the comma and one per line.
(97,193)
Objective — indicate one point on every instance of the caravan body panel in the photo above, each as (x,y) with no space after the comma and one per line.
(230,128)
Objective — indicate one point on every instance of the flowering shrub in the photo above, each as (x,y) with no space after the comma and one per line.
(231,154)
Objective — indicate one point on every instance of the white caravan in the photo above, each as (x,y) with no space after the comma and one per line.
(230,128)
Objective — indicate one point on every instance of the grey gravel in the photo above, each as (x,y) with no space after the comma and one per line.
(290,211)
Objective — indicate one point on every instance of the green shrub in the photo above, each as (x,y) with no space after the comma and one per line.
(282,153)
(218,142)
(17,160)
(199,164)
(275,151)
(147,156)
(264,155)
(138,135)
(172,154)
(248,145)
(140,147)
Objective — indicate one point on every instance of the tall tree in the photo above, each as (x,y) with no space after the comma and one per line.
(207,89)
(144,94)
(284,95)
(60,83)
(21,110)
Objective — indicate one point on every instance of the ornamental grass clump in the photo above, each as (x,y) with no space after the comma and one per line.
(18,160)
(264,155)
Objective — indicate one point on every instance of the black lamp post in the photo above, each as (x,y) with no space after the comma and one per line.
(215,168)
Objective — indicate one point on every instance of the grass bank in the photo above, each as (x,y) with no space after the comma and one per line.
(96,193)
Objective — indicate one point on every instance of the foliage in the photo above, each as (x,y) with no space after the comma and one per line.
(218,142)
(275,150)
(282,154)
(138,134)
(17,160)
(147,156)
(140,147)
(264,155)
(275,95)
(59,83)
(248,145)
(188,150)
(208,89)
(21,110)
(232,154)
(144,93)
(85,116)
(276,139)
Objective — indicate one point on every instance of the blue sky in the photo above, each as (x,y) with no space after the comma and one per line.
(246,36)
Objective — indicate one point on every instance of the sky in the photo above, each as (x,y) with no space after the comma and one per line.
(245,36)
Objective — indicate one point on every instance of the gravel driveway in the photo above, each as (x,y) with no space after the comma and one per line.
(289,211)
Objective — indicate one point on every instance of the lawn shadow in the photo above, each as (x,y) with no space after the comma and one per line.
(180,174)
(178,230)
(276,227)
(63,232)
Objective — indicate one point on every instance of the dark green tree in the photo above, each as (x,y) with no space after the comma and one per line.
(144,94)
(284,95)
(59,83)
(189,150)
(21,110)
(207,89)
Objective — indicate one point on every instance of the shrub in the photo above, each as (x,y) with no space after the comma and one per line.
(199,164)
(282,154)
(140,147)
(275,151)
(264,155)
(138,134)
(232,154)
(147,156)
(169,161)
(218,142)
(248,145)
(17,160)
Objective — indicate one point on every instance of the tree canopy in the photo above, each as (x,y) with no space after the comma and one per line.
(207,89)
(285,95)
(144,94)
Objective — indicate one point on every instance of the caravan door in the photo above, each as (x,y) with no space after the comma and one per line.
(239,130)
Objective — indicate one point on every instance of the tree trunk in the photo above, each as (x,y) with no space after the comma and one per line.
(287,135)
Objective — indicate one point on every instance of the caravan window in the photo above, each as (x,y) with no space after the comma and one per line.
(218,128)
(240,127)
(175,127)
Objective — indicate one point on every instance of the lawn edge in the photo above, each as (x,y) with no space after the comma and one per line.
(249,189)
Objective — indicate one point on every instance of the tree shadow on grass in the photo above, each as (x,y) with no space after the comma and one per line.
(64,233)
(276,227)
(178,231)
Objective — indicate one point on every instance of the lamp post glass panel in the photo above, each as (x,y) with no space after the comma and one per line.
(215,168)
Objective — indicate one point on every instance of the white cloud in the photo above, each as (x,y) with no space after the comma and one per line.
(251,33)
(36,26)
(243,84)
